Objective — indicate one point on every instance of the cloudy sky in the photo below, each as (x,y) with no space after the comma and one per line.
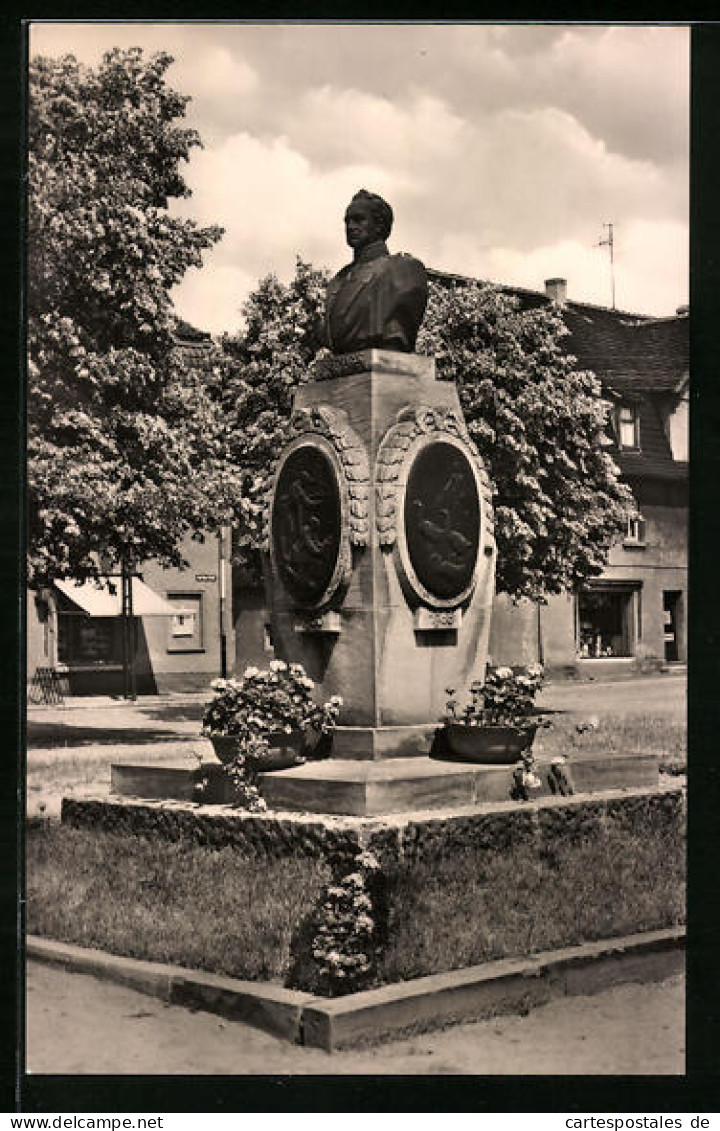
(502,149)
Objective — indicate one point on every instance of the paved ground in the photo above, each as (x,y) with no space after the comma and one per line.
(77,1024)
(660,696)
(71,748)
(82,723)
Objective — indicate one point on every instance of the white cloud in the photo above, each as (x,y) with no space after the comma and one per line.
(334,126)
(218,73)
(272,201)
(502,149)
(651,268)
(211,298)
(273,206)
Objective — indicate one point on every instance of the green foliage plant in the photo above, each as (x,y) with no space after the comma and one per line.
(126,455)
(505,698)
(539,423)
(540,426)
(261,368)
(261,706)
(346,943)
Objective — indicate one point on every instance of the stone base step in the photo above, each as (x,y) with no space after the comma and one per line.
(395,785)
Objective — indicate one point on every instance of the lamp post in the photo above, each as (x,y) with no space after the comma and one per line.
(128,630)
(224,546)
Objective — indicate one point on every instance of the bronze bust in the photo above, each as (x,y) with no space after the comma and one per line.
(379,299)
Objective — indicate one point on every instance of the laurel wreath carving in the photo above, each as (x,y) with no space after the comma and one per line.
(332,423)
(329,366)
(412,423)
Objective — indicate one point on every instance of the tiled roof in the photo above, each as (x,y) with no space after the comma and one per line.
(639,358)
(627,351)
(192,343)
(650,355)
(184,332)
(638,465)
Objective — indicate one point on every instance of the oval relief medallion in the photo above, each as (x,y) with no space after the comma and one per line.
(306,528)
(442,521)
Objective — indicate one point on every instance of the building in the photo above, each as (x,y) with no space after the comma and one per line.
(196,623)
(180,636)
(634,615)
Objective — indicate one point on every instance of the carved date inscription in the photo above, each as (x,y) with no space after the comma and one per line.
(306,523)
(442,519)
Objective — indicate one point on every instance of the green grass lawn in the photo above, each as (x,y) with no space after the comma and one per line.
(212,909)
(468,908)
(205,908)
(635,733)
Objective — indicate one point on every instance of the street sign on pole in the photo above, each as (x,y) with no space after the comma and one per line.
(128,631)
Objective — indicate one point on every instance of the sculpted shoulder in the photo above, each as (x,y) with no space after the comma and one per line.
(408,267)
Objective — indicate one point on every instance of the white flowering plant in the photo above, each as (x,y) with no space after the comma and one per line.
(279,699)
(262,705)
(346,941)
(505,698)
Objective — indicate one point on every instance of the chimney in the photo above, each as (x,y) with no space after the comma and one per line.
(556,291)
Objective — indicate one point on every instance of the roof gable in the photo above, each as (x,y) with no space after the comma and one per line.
(628,351)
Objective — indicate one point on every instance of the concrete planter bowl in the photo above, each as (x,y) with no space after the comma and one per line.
(488,745)
(286,750)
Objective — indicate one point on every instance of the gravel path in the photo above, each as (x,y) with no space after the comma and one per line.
(77,1024)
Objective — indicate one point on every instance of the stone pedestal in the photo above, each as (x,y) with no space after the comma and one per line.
(391,786)
(381,550)
(380,568)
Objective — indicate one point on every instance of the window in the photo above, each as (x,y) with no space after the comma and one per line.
(185,630)
(89,640)
(678,430)
(635,532)
(608,620)
(628,426)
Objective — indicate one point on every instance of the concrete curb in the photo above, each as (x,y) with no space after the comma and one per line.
(493,989)
(272,1008)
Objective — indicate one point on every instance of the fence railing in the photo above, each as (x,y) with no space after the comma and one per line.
(46,687)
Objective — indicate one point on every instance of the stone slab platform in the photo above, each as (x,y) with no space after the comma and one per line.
(496,988)
(395,785)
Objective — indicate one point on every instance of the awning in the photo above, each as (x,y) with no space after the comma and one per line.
(98,601)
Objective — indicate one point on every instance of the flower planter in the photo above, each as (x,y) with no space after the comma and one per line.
(493,745)
(286,750)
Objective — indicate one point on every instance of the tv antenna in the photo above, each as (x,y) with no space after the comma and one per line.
(608,242)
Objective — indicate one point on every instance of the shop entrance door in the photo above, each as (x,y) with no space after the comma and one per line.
(671,616)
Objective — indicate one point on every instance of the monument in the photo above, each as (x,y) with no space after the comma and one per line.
(380,561)
(380,532)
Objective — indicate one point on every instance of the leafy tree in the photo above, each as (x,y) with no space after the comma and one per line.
(539,423)
(125,442)
(263,367)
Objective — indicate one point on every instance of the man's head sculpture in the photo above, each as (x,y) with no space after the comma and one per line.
(369,217)
(378,300)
